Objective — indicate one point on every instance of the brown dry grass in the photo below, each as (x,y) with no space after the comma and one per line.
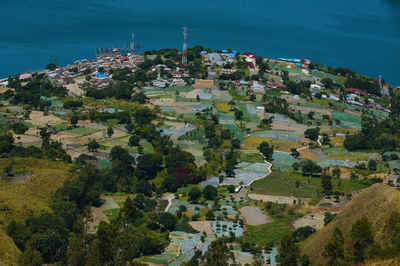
(31,198)
(39,119)
(338,141)
(376,203)
(252,143)
(308,155)
(223,107)
(204,84)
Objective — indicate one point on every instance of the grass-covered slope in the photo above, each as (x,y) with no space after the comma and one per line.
(30,198)
(376,203)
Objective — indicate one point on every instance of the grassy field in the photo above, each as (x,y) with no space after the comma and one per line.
(223,107)
(235,130)
(284,184)
(82,130)
(251,157)
(339,153)
(27,199)
(350,121)
(273,231)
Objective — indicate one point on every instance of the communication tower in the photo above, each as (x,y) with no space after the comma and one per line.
(184,56)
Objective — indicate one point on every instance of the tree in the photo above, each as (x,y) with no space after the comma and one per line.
(325,139)
(19,128)
(328,218)
(129,212)
(355,142)
(6,143)
(266,150)
(167,221)
(130,128)
(134,140)
(110,131)
(93,145)
(194,194)
(238,115)
(336,173)
(210,192)
(288,252)
(326,182)
(311,168)
(334,249)
(302,233)
(327,82)
(218,254)
(372,165)
(361,235)
(74,120)
(294,152)
(51,66)
(312,133)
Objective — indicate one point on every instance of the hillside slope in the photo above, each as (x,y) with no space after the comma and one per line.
(376,203)
(8,250)
(30,198)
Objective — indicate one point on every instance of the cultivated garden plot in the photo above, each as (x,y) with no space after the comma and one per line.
(276,134)
(236,131)
(222,228)
(347,120)
(253,215)
(283,160)
(246,173)
(177,132)
(194,208)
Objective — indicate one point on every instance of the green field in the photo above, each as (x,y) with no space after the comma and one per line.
(235,130)
(251,157)
(273,231)
(179,88)
(340,153)
(82,130)
(283,161)
(349,121)
(284,184)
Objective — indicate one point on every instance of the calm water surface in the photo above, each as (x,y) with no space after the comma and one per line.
(360,34)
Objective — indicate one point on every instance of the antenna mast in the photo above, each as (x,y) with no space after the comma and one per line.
(133,42)
(184,57)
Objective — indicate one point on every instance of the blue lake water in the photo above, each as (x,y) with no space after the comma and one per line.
(360,34)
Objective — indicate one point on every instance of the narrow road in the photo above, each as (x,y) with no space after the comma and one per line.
(169,197)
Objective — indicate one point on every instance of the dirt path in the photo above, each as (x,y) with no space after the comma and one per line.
(168,197)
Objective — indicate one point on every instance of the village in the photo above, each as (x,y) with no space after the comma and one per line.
(241,90)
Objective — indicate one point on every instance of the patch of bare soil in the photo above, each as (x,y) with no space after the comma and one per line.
(163,101)
(204,84)
(253,216)
(97,216)
(39,119)
(314,220)
(25,138)
(202,226)
(74,89)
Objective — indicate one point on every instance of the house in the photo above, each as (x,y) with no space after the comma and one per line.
(315,89)
(357,91)
(334,98)
(159,84)
(260,109)
(211,74)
